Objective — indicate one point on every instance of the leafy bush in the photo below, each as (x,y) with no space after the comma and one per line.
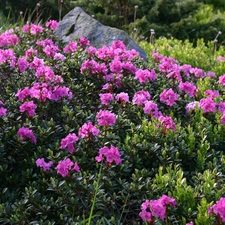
(92,136)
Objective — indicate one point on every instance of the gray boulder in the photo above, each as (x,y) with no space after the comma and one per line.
(78,24)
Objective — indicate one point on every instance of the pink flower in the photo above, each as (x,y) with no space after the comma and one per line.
(35,29)
(140,97)
(68,142)
(3,111)
(45,72)
(84,42)
(65,166)
(122,97)
(115,66)
(106,118)
(145,75)
(40,91)
(60,92)
(130,67)
(36,63)
(151,109)
(207,104)
(53,24)
(88,130)
(198,73)
(220,58)
(169,97)
(106,98)
(23,94)
(26,134)
(175,73)
(221,107)
(111,154)
(212,94)
(191,106)
(22,64)
(191,223)
(41,163)
(70,48)
(28,107)
(218,209)
(222,80)
(167,123)
(188,88)
(222,119)
(146,214)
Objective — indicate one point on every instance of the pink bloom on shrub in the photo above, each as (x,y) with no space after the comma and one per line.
(169,97)
(210,74)
(188,87)
(212,94)
(220,58)
(60,92)
(186,69)
(168,123)
(222,80)
(40,91)
(140,97)
(50,50)
(35,29)
(145,75)
(26,134)
(36,63)
(115,66)
(88,130)
(198,73)
(22,64)
(111,154)
(175,73)
(221,107)
(65,166)
(23,94)
(166,67)
(222,119)
(26,28)
(7,38)
(59,56)
(156,208)
(52,24)
(122,97)
(68,142)
(129,67)
(106,98)
(45,72)
(207,104)
(28,107)
(84,42)
(218,209)
(106,118)
(3,111)
(191,106)
(70,48)
(118,44)
(191,223)
(41,163)
(157,57)
(151,109)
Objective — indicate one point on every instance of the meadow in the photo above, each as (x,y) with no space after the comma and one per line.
(100,136)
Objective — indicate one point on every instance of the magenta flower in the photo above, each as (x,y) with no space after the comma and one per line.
(175,73)
(188,88)
(168,123)
(23,64)
(84,42)
(88,130)
(65,166)
(207,104)
(122,97)
(212,94)
(52,24)
(28,107)
(60,92)
(140,97)
(218,209)
(35,29)
(222,119)
(198,73)
(40,91)
(145,75)
(222,80)
(41,163)
(220,58)
(156,208)
(26,134)
(70,48)
(221,107)
(3,111)
(111,154)
(191,223)
(106,98)
(129,67)
(68,142)
(45,72)
(169,97)
(106,118)
(115,66)
(151,109)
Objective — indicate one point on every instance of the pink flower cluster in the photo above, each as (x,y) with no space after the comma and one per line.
(145,75)
(88,130)
(111,155)
(3,111)
(26,134)
(106,118)
(65,166)
(218,209)
(169,97)
(68,142)
(41,163)
(150,210)
(8,39)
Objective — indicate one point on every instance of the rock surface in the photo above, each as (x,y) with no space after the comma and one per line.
(78,24)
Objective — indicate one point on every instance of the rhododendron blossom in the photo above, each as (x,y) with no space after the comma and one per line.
(3,111)
(52,24)
(65,166)
(106,98)
(212,94)
(188,87)
(169,97)
(106,118)
(122,97)
(68,142)
(26,134)
(44,165)
(207,104)
(168,123)
(28,107)
(88,130)
(70,48)
(140,97)
(191,106)
(111,155)
(151,109)
(150,210)
(191,223)
(218,209)
(145,75)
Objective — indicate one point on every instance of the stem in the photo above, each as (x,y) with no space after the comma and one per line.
(95,195)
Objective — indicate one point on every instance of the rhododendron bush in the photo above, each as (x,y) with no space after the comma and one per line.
(100,136)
